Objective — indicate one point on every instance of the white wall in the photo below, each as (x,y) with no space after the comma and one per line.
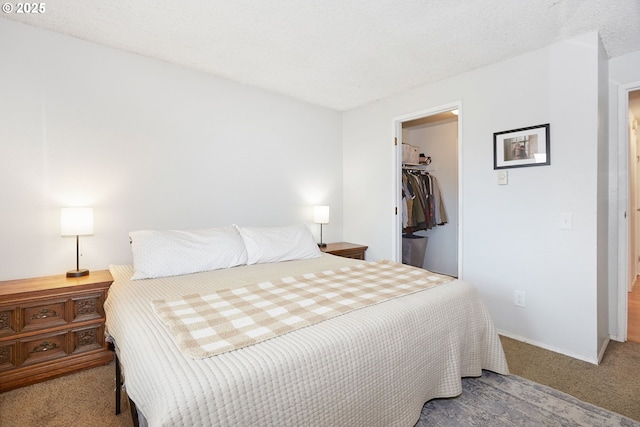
(624,72)
(440,141)
(511,236)
(148,145)
(603,202)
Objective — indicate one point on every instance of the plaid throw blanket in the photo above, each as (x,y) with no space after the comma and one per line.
(206,325)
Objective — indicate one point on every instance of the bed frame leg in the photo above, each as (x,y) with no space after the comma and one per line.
(132,406)
(118,385)
(134,413)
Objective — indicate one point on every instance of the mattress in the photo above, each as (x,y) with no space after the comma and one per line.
(375,366)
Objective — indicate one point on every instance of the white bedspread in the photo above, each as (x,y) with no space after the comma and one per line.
(375,366)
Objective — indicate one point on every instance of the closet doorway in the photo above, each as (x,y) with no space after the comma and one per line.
(633,304)
(628,202)
(428,182)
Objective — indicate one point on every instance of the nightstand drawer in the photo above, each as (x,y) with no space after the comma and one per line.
(43,315)
(7,322)
(43,348)
(355,254)
(87,339)
(7,356)
(87,307)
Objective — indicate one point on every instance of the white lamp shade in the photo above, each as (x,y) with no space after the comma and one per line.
(76,221)
(321,214)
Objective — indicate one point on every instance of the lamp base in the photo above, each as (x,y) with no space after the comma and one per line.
(322,245)
(77,273)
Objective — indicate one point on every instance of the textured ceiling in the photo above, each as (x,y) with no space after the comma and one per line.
(337,53)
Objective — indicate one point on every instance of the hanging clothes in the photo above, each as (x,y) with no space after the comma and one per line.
(422,201)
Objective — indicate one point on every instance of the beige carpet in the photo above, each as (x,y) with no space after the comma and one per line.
(82,399)
(613,385)
(87,398)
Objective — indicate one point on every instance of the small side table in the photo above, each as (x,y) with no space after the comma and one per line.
(346,250)
(51,326)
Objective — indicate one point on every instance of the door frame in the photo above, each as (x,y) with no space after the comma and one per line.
(624,210)
(396,249)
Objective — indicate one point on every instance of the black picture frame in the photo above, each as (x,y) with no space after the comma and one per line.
(524,147)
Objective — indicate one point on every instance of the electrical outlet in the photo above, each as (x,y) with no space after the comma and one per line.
(518,298)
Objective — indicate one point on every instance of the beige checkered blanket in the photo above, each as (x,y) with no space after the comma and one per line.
(206,325)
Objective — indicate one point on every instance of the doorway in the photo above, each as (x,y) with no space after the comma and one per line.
(633,274)
(435,133)
(626,209)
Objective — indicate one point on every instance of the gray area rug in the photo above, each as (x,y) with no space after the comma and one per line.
(508,400)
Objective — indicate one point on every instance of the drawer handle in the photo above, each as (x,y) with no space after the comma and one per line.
(45,346)
(45,313)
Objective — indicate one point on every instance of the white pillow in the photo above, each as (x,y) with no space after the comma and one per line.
(174,252)
(273,244)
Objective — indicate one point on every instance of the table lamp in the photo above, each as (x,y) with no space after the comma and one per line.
(321,216)
(76,222)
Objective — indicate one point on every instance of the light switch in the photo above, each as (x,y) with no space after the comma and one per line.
(566,221)
(503,178)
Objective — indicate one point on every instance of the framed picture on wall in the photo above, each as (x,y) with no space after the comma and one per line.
(521,147)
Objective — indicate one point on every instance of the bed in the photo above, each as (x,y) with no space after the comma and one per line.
(374,365)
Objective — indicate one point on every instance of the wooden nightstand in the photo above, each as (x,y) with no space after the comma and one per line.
(51,326)
(344,249)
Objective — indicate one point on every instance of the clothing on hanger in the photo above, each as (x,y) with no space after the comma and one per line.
(422,201)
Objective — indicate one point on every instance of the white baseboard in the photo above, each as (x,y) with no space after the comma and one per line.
(551,348)
(603,349)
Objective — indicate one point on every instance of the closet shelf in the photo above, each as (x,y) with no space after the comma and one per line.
(416,166)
